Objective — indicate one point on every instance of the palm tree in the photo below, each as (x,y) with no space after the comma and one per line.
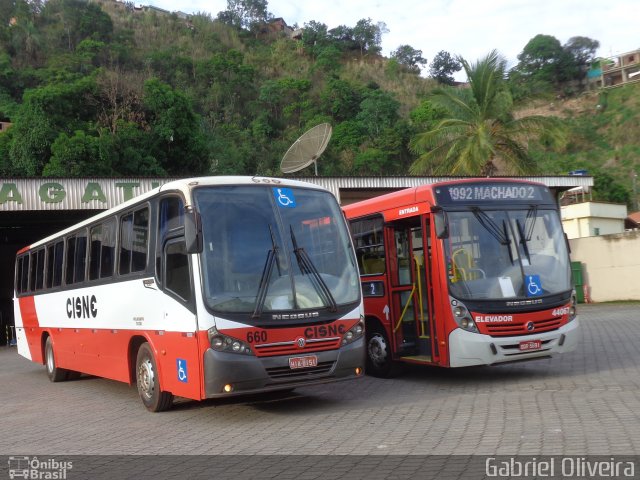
(477,133)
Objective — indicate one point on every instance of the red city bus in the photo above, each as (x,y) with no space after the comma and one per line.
(201,288)
(462,273)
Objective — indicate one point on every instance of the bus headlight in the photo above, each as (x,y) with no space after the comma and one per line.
(462,316)
(573,310)
(354,333)
(226,343)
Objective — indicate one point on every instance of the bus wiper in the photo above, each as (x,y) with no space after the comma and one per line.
(272,256)
(308,268)
(500,234)
(524,239)
(490,226)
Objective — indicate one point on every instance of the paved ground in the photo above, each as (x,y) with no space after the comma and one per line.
(583,403)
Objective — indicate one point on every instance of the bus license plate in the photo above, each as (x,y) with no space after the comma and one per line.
(303,362)
(530,345)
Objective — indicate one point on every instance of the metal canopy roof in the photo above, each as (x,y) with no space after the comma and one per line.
(23,194)
(338,185)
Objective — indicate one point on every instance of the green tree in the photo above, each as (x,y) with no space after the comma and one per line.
(76,156)
(176,138)
(542,58)
(479,134)
(443,67)
(368,36)
(378,110)
(582,52)
(409,57)
(245,13)
(315,36)
(68,22)
(341,99)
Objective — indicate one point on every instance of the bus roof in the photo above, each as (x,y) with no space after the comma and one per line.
(185,186)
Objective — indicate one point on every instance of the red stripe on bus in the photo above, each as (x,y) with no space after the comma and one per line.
(105,353)
(31,327)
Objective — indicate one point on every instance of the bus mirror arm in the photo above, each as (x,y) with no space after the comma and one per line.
(441,223)
(192,231)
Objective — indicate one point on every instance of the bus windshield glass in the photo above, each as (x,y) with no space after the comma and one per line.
(514,254)
(274,249)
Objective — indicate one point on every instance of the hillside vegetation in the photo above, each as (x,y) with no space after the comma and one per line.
(101,88)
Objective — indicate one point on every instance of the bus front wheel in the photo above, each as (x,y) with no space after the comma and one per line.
(55,374)
(148,382)
(379,362)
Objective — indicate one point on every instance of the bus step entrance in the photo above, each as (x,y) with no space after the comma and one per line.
(407,348)
(424,345)
(417,358)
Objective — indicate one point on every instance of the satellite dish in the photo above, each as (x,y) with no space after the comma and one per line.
(306,149)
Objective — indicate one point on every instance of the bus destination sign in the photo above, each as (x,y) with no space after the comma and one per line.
(491,193)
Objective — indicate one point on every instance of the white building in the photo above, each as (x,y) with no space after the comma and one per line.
(589,219)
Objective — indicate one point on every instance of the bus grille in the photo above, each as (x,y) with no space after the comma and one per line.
(291,348)
(511,329)
(286,372)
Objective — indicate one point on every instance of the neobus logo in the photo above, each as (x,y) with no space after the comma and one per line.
(406,211)
(295,316)
(82,307)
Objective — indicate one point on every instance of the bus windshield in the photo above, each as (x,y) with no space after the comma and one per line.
(519,254)
(274,249)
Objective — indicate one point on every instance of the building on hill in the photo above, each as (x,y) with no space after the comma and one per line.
(615,71)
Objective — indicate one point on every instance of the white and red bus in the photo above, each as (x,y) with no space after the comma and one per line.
(201,288)
(462,273)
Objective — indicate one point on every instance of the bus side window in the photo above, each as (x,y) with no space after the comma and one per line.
(71,258)
(50,259)
(22,274)
(177,278)
(58,263)
(37,270)
(368,240)
(40,269)
(134,235)
(95,245)
(170,217)
(108,249)
(101,250)
(81,257)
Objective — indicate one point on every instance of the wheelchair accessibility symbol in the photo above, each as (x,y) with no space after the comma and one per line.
(182,370)
(284,197)
(534,285)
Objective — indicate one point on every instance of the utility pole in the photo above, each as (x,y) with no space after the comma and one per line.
(635,193)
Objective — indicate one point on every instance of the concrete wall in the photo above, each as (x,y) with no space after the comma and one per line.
(611,265)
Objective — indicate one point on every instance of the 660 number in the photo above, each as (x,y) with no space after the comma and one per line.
(257,336)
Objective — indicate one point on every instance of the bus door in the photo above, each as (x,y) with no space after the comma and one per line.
(410,288)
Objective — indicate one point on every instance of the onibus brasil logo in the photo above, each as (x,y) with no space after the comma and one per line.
(34,468)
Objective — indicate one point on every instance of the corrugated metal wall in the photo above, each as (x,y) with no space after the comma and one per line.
(21,194)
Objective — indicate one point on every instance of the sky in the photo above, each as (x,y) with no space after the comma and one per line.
(469,28)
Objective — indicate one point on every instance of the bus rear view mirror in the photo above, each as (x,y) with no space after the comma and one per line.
(192,231)
(441,224)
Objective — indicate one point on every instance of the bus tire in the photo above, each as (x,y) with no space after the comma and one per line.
(55,374)
(379,361)
(148,382)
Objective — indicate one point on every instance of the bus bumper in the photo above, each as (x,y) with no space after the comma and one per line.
(467,349)
(251,374)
